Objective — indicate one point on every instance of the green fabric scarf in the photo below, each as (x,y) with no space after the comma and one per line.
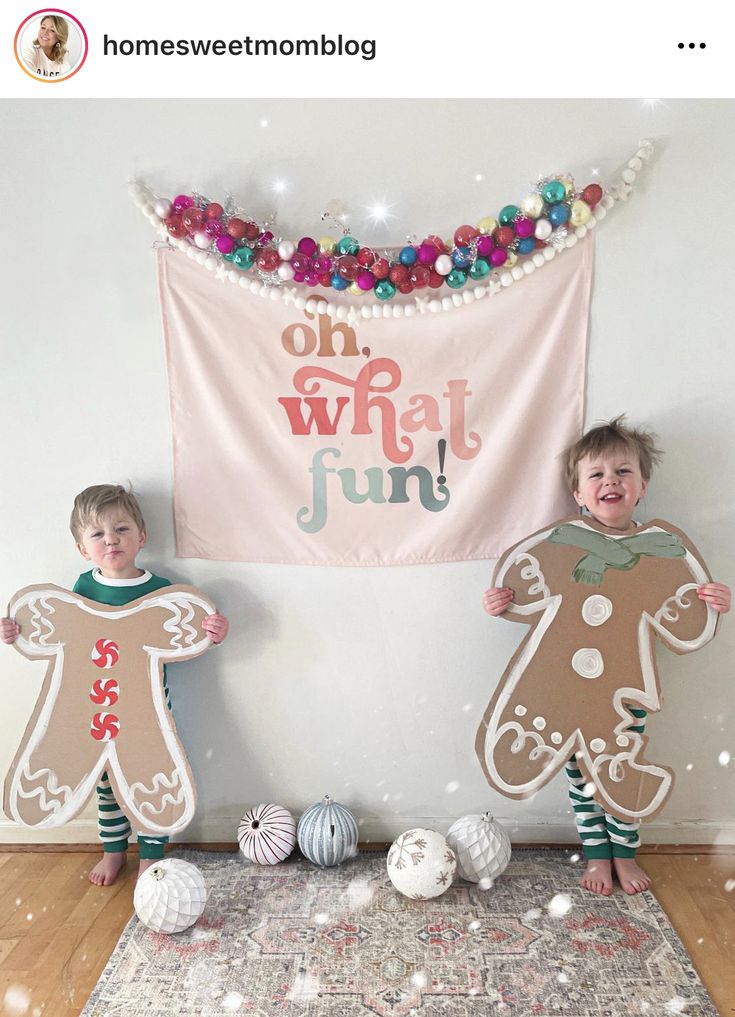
(607,553)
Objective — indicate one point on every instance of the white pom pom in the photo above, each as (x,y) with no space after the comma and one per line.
(600,213)
(607,201)
(635,164)
(286,249)
(447,303)
(529,267)
(376,311)
(387,310)
(538,259)
(479,292)
(341,312)
(580,231)
(457,299)
(311,305)
(274,293)
(506,279)
(321,307)
(211,263)
(591,222)
(409,310)
(233,275)
(331,310)
(200,257)
(570,240)
(244,282)
(397,310)
(628,175)
(192,253)
(517,272)
(435,306)
(300,303)
(549,253)
(467,297)
(366,312)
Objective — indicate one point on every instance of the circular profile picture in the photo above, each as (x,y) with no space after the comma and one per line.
(51,45)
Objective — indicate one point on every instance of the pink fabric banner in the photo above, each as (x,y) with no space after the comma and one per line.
(301,439)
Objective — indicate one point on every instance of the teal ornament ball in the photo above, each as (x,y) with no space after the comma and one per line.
(384,289)
(243,257)
(327,833)
(456,278)
(508,215)
(553,192)
(479,269)
(348,245)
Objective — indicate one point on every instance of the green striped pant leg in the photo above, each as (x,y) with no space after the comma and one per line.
(625,837)
(112,823)
(589,816)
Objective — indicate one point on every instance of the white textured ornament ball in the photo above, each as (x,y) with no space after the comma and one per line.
(170,896)
(267,834)
(421,864)
(481,845)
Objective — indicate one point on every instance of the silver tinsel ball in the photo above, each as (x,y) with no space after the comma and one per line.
(481,845)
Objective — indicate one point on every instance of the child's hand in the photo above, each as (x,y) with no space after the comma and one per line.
(216,626)
(9,630)
(496,600)
(717,595)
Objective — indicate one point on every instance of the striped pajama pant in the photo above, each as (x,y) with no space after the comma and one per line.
(112,823)
(602,835)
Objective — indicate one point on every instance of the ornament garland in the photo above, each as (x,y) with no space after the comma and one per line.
(495,253)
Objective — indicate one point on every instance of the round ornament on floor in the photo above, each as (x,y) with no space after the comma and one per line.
(267,834)
(481,845)
(327,833)
(421,864)
(170,895)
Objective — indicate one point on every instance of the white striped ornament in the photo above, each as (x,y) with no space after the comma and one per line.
(267,834)
(327,833)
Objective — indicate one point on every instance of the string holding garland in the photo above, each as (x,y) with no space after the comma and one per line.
(494,253)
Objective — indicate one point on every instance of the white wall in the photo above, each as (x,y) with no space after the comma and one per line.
(365,683)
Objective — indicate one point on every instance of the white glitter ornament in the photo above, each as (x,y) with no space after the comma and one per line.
(170,895)
(267,834)
(421,864)
(481,845)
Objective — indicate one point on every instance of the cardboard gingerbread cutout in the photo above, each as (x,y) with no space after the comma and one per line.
(102,706)
(595,603)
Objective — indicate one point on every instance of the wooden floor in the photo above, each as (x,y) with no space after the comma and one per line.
(57,931)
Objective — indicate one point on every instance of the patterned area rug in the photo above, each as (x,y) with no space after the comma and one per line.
(299,941)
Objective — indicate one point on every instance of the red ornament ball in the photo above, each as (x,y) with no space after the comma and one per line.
(214,210)
(252,230)
(348,267)
(175,226)
(366,256)
(504,236)
(419,276)
(325,279)
(268,259)
(406,286)
(464,235)
(435,280)
(380,269)
(236,228)
(193,219)
(398,275)
(592,194)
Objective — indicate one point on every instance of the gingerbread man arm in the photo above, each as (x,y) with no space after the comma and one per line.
(521,571)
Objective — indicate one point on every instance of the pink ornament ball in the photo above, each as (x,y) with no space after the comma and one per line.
(524,227)
(485,245)
(301,262)
(366,280)
(322,263)
(182,202)
(498,257)
(307,245)
(427,253)
(214,228)
(225,245)
(264,238)
(299,276)
(311,278)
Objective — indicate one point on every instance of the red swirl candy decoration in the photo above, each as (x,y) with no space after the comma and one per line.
(104,691)
(106,653)
(105,726)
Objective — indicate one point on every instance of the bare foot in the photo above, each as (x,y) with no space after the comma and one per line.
(145,863)
(107,868)
(597,877)
(631,876)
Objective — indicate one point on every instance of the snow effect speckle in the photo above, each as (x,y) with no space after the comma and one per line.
(675,1005)
(724,758)
(16,1001)
(232,1001)
(473,926)
(419,979)
(729,885)
(321,918)
(559,905)
(452,786)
